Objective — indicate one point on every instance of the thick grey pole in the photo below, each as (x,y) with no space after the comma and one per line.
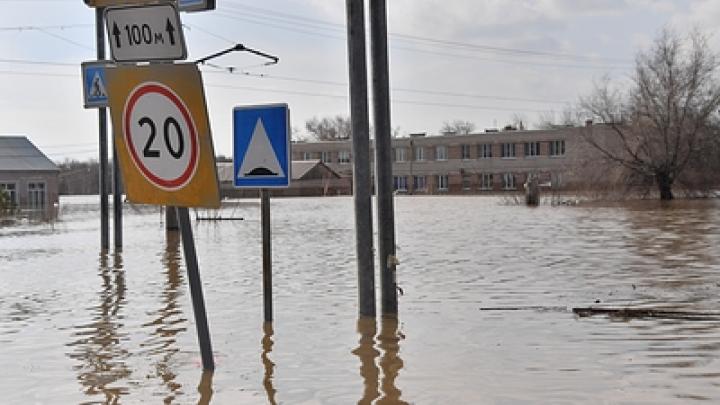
(102,120)
(195,284)
(361,156)
(267,254)
(383,158)
(117,200)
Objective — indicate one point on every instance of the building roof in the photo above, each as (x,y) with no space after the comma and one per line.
(300,168)
(17,153)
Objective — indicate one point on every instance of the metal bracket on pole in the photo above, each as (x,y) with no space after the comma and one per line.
(240,48)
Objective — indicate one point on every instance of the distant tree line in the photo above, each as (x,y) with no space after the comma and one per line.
(81,177)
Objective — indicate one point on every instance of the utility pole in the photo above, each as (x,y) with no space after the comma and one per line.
(102,122)
(362,185)
(383,158)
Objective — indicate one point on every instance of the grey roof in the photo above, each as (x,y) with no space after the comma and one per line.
(17,153)
(299,169)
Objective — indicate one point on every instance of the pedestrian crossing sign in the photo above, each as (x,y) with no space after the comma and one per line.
(94,84)
(261,146)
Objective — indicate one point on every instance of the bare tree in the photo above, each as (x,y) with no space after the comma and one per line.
(519,121)
(658,125)
(457,127)
(329,129)
(568,117)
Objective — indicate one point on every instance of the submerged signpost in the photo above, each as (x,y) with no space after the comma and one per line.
(162,135)
(160,123)
(261,159)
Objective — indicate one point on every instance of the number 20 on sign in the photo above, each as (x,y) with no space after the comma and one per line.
(162,135)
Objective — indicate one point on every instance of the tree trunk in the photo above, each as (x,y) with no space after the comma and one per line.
(664,183)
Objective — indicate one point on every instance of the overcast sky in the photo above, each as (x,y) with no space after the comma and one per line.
(483,61)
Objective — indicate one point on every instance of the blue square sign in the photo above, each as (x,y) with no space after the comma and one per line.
(261,146)
(94,84)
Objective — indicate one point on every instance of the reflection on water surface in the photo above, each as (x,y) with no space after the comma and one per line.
(118,327)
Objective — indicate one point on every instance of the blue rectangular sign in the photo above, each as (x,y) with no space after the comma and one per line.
(261,146)
(94,84)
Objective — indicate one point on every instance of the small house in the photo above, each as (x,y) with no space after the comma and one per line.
(28,177)
(309,178)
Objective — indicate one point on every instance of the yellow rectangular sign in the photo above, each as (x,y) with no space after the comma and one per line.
(162,135)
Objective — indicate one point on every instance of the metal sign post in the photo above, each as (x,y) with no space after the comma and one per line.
(267,254)
(102,129)
(196,293)
(164,147)
(161,128)
(261,159)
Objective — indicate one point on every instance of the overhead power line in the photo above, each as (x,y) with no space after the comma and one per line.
(394,100)
(431,49)
(45,27)
(265,76)
(245,9)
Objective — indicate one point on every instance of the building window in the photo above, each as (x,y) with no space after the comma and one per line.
(532,149)
(326,157)
(485,151)
(307,156)
(486,181)
(400,154)
(465,150)
(508,181)
(441,152)
(557,148)
(419,153)
(442,180)
(419,183)
(11,190)
(400,183)
(344,156)
(466,179)
(508,150)
(36,196)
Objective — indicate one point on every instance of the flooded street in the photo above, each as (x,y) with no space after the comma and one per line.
(486,316)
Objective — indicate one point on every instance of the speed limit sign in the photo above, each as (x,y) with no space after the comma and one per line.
(162,135)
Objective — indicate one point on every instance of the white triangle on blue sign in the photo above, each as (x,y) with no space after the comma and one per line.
(260,160)
(97,88)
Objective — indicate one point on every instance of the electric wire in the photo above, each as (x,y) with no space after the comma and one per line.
(265,76)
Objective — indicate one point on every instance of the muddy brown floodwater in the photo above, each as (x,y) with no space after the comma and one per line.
(486,316)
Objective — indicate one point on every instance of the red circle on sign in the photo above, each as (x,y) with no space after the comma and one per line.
(187,173)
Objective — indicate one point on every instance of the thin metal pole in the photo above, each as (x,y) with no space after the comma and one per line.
(267,254)
(102,126)
(196,293)
(171,219)
(361,156)
(117,200)
(383,158)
